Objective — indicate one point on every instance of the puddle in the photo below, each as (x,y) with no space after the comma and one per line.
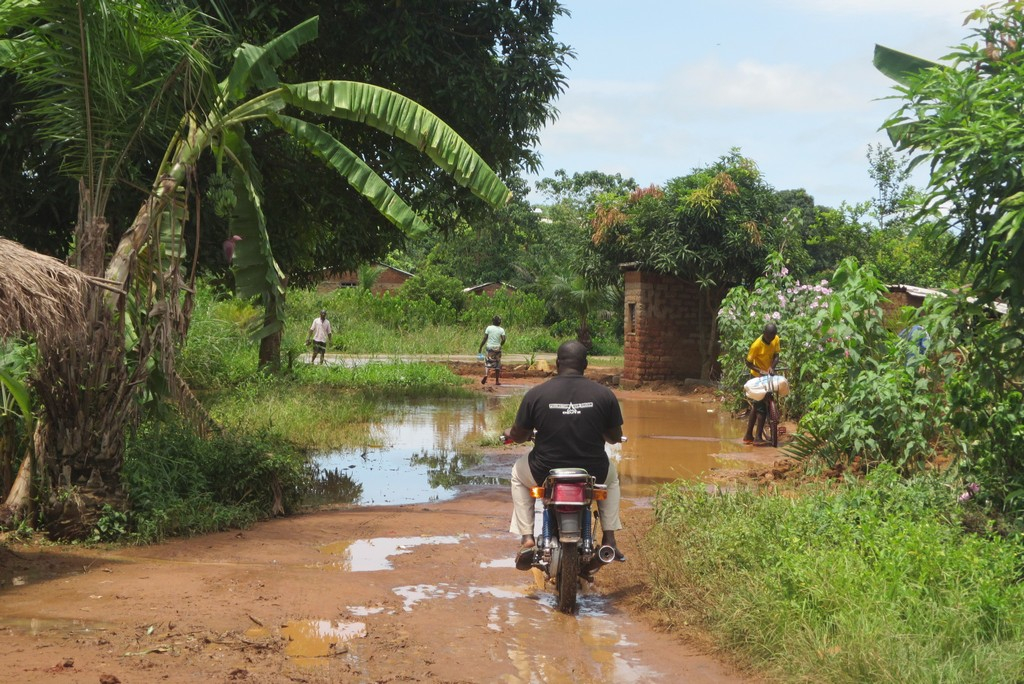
(671,440)
(422,454)
(612,657)
(368,555)
(413,594)
(309,641)
(417,456)
(607,659)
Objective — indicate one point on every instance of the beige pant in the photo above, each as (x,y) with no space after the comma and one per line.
(522,502)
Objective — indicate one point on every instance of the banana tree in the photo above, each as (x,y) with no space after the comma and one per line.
(573,296)
(223,129)
(902,68)
(56,48)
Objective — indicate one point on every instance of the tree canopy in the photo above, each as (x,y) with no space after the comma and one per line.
(491,70)
(963,119)
(714,226)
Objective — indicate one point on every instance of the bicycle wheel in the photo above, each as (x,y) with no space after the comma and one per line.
(773,421)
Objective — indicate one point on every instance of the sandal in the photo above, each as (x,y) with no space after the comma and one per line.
(525,557)
(748,441)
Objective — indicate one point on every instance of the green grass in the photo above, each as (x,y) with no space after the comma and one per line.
(325,407)
(178,483)
(876,582)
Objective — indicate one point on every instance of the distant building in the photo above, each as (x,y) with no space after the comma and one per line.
(489,288)
(390,278)
(911,295)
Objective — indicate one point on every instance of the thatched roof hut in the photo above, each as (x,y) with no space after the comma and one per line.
(40,295)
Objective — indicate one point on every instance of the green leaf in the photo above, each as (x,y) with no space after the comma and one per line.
(360,176)
(899,66)
(19,391)
(255,269)
(402,118)
(257,65)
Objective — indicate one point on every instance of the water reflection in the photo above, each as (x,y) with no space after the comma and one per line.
(310,640)
(422,452)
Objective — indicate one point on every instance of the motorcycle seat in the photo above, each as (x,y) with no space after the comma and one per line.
(568,473)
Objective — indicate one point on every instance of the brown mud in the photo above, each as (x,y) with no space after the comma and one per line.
(414,593)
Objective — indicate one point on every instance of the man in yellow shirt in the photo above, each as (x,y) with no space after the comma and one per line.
(761,359)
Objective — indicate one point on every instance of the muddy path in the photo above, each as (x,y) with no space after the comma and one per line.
(418,593)
(413,593)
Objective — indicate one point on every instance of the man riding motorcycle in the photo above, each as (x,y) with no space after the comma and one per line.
(574,417)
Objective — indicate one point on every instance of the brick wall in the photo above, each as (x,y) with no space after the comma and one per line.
(388,280)
(893,302)
(662,328)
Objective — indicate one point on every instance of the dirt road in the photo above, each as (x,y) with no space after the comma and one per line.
(416,593)
(422,593)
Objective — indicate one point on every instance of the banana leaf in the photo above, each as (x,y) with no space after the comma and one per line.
(899,66)
(402,118)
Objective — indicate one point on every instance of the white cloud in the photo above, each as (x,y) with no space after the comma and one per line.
(760,87)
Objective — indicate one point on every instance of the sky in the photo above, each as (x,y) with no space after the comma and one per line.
(659,88)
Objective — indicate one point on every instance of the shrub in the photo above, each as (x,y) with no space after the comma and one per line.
(179,483)
(853,391)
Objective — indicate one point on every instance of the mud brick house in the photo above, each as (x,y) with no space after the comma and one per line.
(666,329)
(904,295)
(900,296)
(390,278)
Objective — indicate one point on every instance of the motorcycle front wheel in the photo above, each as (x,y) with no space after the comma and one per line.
(567,584)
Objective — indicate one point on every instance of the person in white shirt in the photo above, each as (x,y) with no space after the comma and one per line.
(320,333)
(494,339)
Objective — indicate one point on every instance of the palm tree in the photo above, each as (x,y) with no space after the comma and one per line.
(109,75)
(573,296)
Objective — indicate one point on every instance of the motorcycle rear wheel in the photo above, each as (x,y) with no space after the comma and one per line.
(567,582)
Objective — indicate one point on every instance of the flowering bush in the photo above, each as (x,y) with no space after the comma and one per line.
(852,389)
(798,309)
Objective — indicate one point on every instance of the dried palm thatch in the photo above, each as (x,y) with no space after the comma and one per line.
(40,296)
(62,310)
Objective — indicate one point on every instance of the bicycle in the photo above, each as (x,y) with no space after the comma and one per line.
(768,387)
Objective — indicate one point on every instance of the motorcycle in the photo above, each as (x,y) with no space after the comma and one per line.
(565,552)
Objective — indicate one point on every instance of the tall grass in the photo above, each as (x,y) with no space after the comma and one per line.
(391,324)
(875,582)
(180,484)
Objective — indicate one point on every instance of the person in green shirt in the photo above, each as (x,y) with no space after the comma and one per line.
(762,358)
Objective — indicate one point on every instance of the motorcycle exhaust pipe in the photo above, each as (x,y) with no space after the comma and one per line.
(606,554)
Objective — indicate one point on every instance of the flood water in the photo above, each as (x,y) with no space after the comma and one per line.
(424,452)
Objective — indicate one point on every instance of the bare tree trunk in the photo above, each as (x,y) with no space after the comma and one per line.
(707,329)
(18,504)
(270,352)
(87,395)
(90,235)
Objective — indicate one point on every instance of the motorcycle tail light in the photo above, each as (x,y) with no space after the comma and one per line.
(537,492)
(568,493)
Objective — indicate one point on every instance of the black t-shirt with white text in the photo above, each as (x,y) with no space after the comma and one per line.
(571,413)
